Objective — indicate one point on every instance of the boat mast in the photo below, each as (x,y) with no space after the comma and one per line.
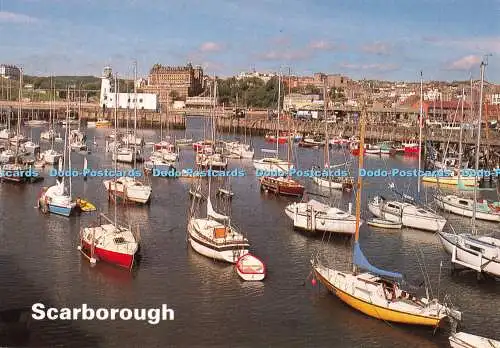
(327,148)
(115,147)
(474,204)
(278,122)
(360,177)
(67,143)
(51,125)
(135,114)
(460,137)
(420,130)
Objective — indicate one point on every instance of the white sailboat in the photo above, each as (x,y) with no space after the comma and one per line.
(214,236)
(274,164)
(57,198)
(128,188)
(479,253)
(50,156)
(404,212)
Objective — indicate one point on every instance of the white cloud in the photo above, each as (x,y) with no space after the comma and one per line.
(465,63)
(210,46)
(379,48)
(285,55)
(321,45)
(374,67)
(11,17)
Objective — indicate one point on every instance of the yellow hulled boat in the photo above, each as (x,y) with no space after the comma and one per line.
(103,123)
(451,180)
(376,292)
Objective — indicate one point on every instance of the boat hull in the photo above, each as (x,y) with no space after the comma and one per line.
(296,190)
(467,257)
(229,254)
(453,208)
(113,257)
(319,224)
(376,311)
(60,210)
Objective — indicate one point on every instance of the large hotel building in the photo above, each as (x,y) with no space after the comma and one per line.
(186,81)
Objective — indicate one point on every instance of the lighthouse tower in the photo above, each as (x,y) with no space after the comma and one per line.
(106,86)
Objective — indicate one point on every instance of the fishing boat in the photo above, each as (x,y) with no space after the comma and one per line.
(464,207)
(279,139)
(132,139)
(406,213)
(109,242)
(31,147)
(6,134)
(480,253)
(125,154)
(250,268)
(384,224)
(376,292)
(465,340)
(410,147)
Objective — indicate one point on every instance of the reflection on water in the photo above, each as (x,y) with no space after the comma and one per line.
(284,310)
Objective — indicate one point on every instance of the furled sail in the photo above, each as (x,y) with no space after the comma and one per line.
(213,214)
(361,261)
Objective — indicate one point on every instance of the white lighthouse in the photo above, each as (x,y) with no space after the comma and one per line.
(109,99)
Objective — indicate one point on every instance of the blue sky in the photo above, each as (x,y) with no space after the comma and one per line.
(386,39)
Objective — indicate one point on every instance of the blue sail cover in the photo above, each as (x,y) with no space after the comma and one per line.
(361,261)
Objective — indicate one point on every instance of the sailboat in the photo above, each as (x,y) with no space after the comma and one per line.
(214,236)
(334,182)
(376,292)
(163,157)
(479,253)
(50,156)
(16,172)
(461,205)
(78,138)
(274,164)
(55,199)
(406,212)
(209,157)
(129,189)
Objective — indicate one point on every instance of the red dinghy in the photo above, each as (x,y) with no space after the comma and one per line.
(250,268)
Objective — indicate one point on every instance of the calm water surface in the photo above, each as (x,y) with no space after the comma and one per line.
(39,262)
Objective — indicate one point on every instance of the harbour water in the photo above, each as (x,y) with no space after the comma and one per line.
(39,262)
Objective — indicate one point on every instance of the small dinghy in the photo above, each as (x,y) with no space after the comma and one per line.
(250,268)
(384,224)
(225,192)
(465,340)
(85,205)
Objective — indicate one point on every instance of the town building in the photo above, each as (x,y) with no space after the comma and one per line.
(177,82)
(296,101)
(10,71)
(263,76)
(109,98)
